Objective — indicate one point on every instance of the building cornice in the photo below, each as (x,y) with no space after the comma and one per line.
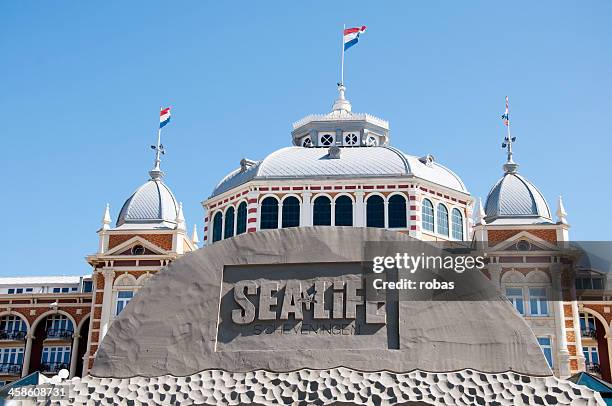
(412,181)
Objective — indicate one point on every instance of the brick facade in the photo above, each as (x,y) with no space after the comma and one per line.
(163,241)
(497,236)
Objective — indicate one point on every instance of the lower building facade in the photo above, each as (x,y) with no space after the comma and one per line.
(44,325)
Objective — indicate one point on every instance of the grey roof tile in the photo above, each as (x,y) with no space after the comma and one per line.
(153,202)
(359,162)
(513,196)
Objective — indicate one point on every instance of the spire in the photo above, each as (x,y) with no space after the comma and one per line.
(341,104)
(561,213)
(194,237)
(480,218)
(510,166)
(180,219)
(106,219)
(156,173)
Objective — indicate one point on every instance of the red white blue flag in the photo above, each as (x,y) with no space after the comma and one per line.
(505,116)
(351,36)
(164,116)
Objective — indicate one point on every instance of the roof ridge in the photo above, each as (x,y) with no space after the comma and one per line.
(531,186)
(497,204)
(402,157)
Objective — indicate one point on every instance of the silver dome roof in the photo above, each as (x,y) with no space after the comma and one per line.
(360,162)
(515,197)
(152,205)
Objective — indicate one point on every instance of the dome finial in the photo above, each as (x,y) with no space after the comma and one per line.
(480,217)
(106,219)
(561,213)
(156,173)
(180,218)
(510,166)
(341,104)
(194,236)
(164,118)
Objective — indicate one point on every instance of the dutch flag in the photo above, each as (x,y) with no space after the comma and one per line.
(351,36)
(164,116)
(506,117)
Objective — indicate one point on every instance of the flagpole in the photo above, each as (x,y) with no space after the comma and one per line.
(342,65)
(509,136)
(157,149)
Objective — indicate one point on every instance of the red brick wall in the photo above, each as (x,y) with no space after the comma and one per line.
(161,240)
(37,311)
(497,236)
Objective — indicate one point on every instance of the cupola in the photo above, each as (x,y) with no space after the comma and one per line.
(340,127)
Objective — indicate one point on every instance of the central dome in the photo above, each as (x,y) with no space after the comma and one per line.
(350,163)
(340,145)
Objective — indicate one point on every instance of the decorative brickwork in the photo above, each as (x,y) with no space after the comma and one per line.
(497,236)
(599,308)
(99,281)
(163,241)
(31,313)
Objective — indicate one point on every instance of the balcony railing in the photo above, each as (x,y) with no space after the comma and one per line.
(593,368)
(10,369)
(59,334)
(53,367)
(588,333)
(15,335)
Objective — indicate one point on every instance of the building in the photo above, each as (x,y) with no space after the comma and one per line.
(44,324)
(149,233)
(531,265)
(341,170)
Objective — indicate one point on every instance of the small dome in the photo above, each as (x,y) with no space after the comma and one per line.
(293,163)
(152,205)
(515,197)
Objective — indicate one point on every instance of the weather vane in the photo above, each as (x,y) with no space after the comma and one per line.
(510,166)
(164,118)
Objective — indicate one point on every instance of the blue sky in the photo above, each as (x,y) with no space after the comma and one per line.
(83,81)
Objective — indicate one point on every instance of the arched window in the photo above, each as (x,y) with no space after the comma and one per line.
(217,226)
(12,328)
(58,327)
(229,223)
(291,212)
(397,212)
(241,219)
(344,211)
(442,219)
(375,212)
(322,211)
(427,215)
(457,225)
(269,213)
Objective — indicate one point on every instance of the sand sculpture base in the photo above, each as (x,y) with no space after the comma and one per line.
(328,387)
